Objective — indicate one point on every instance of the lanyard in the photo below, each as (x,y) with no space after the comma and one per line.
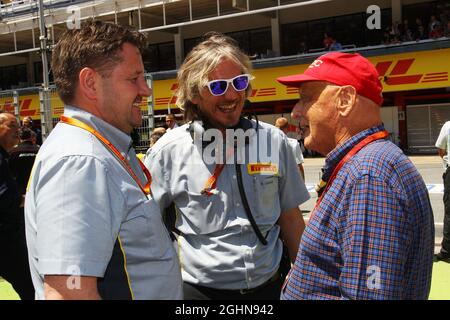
(76,123)
(376,136)
(211,183)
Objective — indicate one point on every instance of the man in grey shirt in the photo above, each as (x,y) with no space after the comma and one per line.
(231,209)
(93,230)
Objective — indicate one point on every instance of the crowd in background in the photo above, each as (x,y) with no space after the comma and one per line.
(437,26)
(414,27)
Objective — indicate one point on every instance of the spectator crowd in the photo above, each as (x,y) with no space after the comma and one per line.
(438,26)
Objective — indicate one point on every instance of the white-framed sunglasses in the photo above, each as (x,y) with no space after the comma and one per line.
(218,87)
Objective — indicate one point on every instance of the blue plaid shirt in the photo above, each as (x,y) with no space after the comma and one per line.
(372,236)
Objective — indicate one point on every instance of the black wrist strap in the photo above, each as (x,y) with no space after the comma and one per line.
(246,206)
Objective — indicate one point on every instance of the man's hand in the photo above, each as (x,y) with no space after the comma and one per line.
(302,171)
(292,225)
(62,287)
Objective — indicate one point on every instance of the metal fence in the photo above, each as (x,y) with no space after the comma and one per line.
(148,120)
(56,106)
(23,103)
(31,102)
(143,142)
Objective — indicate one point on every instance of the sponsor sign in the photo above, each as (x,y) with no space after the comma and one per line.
(262,168)
(398,72)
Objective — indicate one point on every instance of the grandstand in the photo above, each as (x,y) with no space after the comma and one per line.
(410,49)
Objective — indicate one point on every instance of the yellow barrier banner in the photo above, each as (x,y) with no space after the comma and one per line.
(398,72)
(29,105)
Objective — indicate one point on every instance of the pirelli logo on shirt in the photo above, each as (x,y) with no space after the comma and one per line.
(262,168)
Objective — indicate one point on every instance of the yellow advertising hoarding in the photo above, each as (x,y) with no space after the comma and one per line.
(29,105)
(398,72)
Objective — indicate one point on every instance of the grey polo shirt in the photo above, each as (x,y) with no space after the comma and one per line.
(85,215)
(217,246)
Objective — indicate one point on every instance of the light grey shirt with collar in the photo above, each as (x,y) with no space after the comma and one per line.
(85,215)
(217,246)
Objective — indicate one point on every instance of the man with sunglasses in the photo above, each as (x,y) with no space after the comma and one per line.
(230,211)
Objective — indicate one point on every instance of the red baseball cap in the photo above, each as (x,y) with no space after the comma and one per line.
(342,69)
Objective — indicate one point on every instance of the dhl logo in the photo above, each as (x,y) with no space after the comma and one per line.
(399,76)
(165,100)
(264,92)
(24,107)
(168,100)
(292,90)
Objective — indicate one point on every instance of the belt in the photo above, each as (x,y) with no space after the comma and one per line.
(274,278)
(236,293)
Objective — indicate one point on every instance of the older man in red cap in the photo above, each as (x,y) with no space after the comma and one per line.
(371,233)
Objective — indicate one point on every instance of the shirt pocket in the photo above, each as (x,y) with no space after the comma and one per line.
(266,194)
(205,214)
(146,233)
